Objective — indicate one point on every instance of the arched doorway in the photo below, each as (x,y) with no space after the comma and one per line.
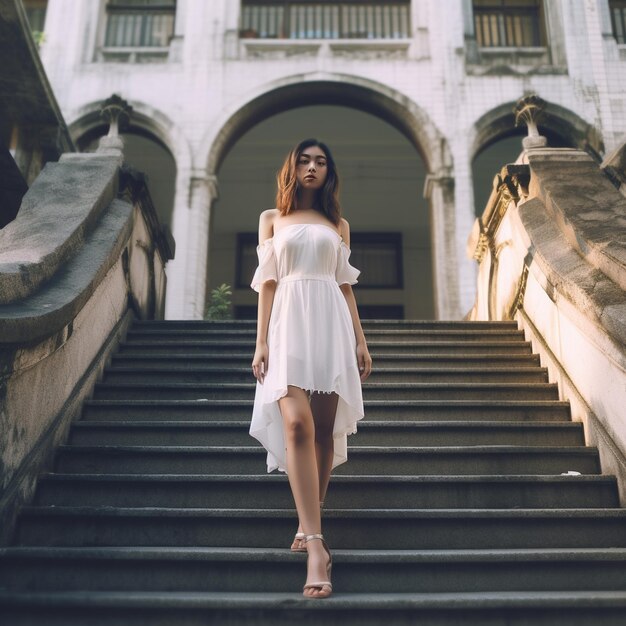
(498,141)
(382,177)
(321,89)
(146,153)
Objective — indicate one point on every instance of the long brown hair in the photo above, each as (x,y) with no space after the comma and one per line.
(327,198)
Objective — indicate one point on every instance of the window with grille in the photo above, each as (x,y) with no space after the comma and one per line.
(377,255)
(618,19)
(139,23)
(324,19)
(509,23)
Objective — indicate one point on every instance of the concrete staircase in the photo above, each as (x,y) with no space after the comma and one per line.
(451,509)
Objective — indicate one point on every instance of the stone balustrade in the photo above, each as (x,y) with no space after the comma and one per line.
(84,256)
(551,248)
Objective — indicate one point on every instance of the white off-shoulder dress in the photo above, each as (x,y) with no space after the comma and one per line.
(310,337)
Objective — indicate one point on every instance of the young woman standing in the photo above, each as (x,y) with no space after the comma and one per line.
(311,356)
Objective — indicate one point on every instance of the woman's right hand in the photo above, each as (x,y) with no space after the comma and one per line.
(260,361)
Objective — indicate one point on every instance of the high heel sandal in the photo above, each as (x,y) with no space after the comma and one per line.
(324,583)
(299,537)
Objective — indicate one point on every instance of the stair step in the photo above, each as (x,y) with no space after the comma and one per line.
(229,570)
(367,324)
(404,361)
(376,347)
(272,491)
(160,511)
(424,410)
(536,608)
(371,391)
(165,336)
(362,460)
(401,529)
(393,433)
(172,373)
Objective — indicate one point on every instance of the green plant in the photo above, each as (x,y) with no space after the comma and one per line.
(219,303)
(39,37)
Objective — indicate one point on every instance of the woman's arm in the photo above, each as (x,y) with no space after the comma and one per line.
(364,359)
(260,362)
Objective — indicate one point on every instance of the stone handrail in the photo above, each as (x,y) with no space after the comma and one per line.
(551,247)
(84,256)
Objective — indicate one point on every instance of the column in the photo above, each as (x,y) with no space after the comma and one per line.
(203,191)
(176,268)
(439,191)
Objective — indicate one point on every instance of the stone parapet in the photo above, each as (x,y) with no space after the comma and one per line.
(84,256)
(57,214)
(550,247)
(585,205)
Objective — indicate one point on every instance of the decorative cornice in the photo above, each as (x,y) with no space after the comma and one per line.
(511,184)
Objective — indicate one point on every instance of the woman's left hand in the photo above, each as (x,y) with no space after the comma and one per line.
(364,360)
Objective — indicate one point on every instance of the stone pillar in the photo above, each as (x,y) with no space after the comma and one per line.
(176,268)
(203,191)
(439,191)
(176,45)
(469,33)
(464,222)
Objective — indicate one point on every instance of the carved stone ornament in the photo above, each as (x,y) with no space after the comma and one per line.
(116,112)
(529,109)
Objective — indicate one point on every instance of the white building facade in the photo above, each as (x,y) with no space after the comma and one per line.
(199,74)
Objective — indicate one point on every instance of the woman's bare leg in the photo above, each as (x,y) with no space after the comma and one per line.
(324,409)
(303,477)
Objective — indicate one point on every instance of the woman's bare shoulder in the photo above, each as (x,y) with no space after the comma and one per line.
(344,227)
(266,223)
(268,216)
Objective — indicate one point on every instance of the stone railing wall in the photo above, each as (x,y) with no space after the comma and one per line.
(84,256)
(551,248)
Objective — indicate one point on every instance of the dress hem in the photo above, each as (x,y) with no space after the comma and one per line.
(260,434)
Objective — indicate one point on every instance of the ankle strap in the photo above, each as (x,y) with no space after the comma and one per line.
(308,538)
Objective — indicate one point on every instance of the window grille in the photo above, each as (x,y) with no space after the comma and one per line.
(325,20)
(139,23)
(618,19)
(508,24)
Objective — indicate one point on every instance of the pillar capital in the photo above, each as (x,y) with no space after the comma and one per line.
(200,183)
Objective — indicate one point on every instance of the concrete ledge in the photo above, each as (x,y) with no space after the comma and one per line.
(57,214)
(590,290)
(590,212)
(48,311)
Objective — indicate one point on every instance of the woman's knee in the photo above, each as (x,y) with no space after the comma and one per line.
(298,426)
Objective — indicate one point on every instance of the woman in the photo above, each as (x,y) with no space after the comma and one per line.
(311,356)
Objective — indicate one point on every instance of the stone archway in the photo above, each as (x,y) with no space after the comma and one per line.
(500,122)
(350,91)
(495,132)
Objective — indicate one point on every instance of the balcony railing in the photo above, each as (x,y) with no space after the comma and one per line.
(139,23)
(324,20)
(507,26)
(618,20)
